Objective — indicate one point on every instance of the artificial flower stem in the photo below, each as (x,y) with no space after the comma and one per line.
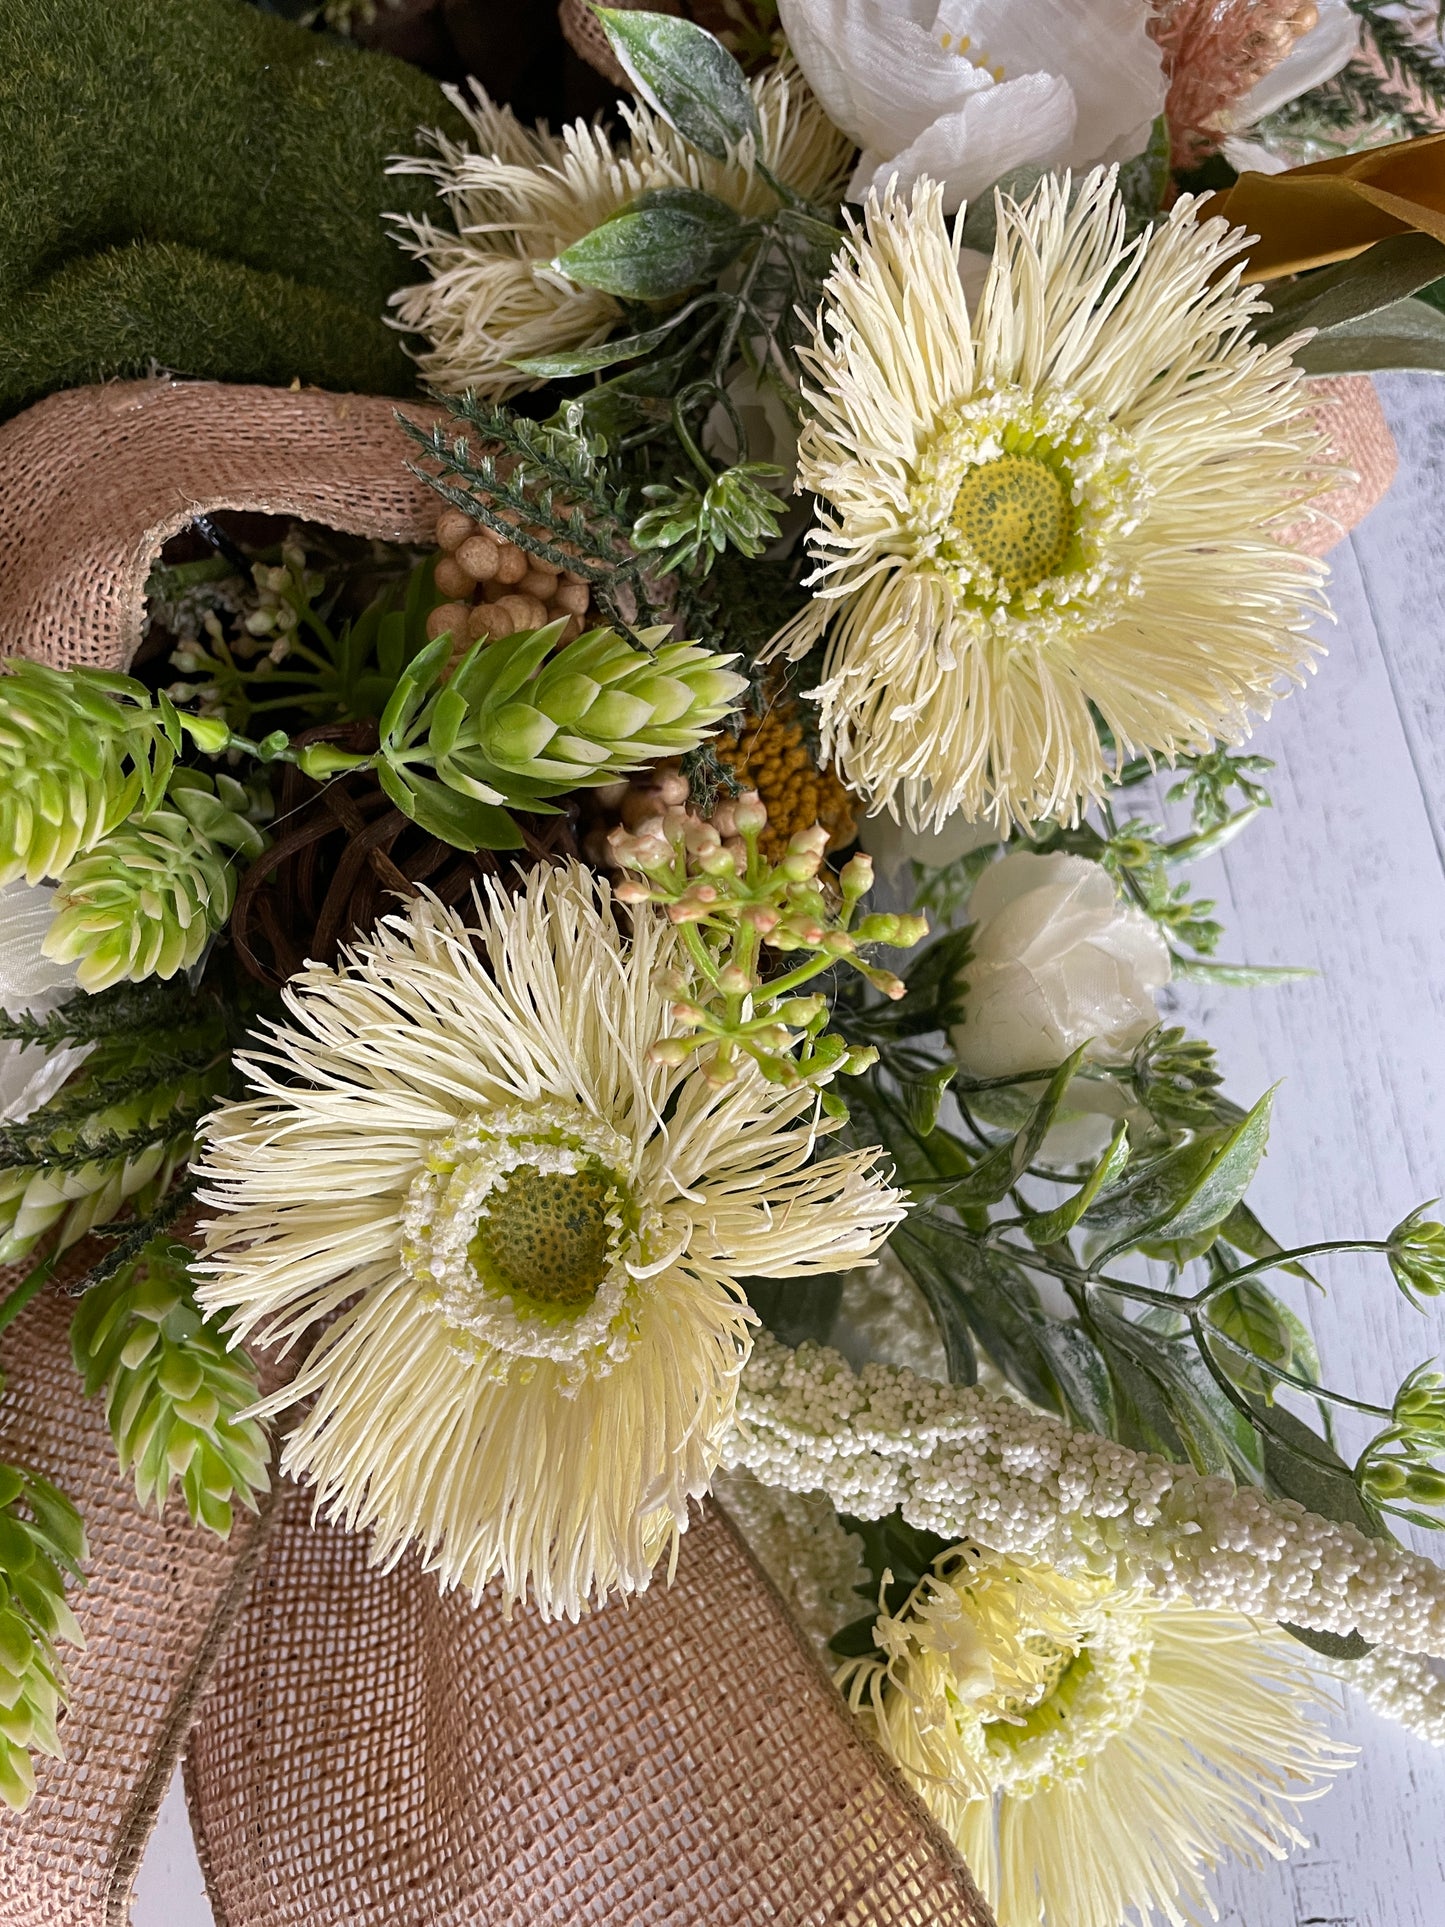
(1292,1379)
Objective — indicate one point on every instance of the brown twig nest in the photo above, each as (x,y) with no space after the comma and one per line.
(342,855)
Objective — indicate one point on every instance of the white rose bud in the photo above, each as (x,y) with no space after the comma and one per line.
(1058,961)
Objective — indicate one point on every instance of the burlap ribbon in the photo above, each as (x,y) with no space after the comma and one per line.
(369,1752)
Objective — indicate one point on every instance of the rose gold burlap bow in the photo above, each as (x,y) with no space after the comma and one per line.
(368,1754)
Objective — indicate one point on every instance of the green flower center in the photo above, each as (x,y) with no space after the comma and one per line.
(1015,514)
(545,1235)
(1047,1699)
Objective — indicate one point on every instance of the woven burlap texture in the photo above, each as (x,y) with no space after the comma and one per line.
(160,1599)
(94,481)
(678,1760)
(1347,408)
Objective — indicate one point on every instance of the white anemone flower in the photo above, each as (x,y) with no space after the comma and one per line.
(519,196)
(967,91)
(523,1235)
(1093,1753)
(1070,501)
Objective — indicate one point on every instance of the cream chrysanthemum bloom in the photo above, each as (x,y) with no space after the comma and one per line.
(1071,497)
(1092,1752)
(524,1233)
(521,196)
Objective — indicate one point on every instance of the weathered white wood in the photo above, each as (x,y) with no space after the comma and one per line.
(170,1890)
(1345,874)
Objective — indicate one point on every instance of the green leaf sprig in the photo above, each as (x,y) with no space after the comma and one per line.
(174,1392)
(42,1546)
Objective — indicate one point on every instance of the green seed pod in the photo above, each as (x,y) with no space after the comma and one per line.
(173,1390)
(146,899)
(79,750)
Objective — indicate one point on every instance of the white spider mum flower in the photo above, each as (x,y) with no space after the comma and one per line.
(1092,1752)
(1072,497)
(521,196)
(525,1236)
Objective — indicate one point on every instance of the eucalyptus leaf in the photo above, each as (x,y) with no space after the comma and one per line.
(1049,1226)
(1369,283)
(1411,334)
(666,242)
(586,361)
(686,75)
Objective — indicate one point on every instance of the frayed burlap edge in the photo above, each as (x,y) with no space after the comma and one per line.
(94,482)
(680,1759)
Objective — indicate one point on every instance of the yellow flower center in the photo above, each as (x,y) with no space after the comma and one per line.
(1014,513)
(545,1235)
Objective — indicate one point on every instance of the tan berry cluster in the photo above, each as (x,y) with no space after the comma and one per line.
(494,588)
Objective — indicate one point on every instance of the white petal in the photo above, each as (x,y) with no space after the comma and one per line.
(29,981)
(1100,47)
(881,75)
(997,129)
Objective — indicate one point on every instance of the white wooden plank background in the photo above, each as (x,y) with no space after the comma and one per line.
(1347,874)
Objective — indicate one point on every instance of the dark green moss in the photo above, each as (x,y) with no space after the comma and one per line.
(196,184)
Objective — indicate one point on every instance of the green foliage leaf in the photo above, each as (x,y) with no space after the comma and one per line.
(796,1310)
(1168,1401)
(1144,179)
(1300,1465)
(1331,1645)
(1188,1190)
(996,1173)
(934,997)
(586,361)
(1048,1227)
(1339,296)
(666,242)
(686,75)
(1204,970)
(1411,334)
